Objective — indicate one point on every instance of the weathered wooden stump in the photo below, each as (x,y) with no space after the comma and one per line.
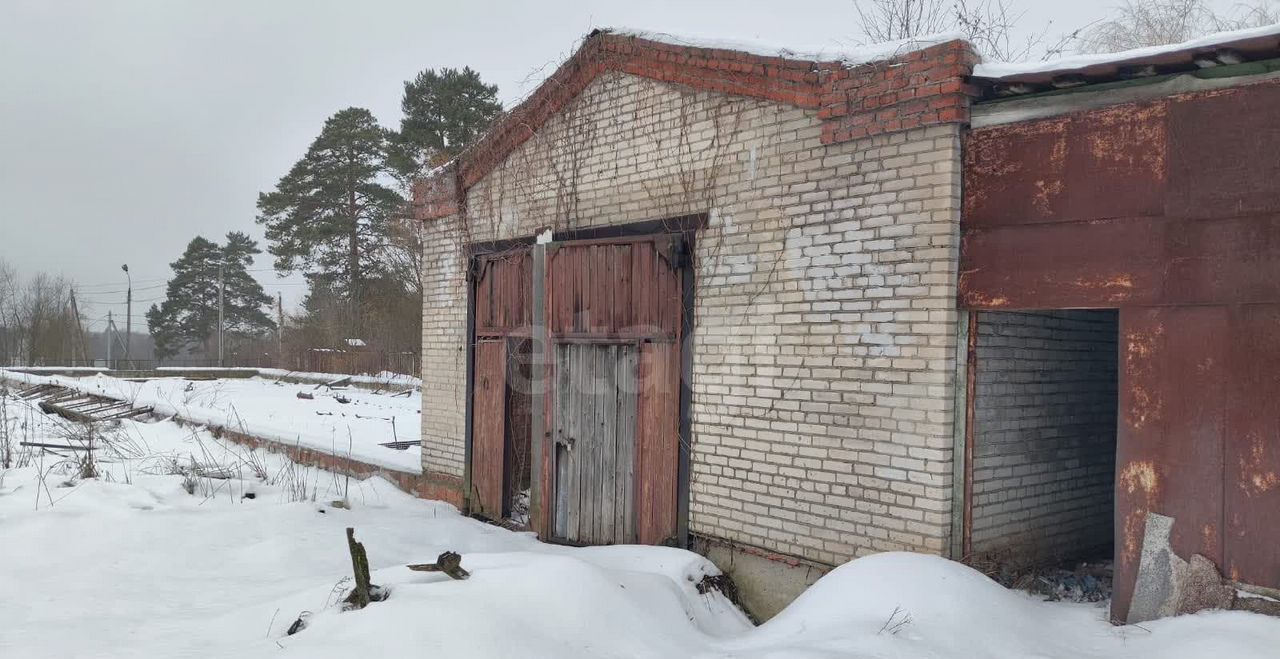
(449,563)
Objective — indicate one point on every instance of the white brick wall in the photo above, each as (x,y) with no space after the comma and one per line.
(825,291)
(1044,433)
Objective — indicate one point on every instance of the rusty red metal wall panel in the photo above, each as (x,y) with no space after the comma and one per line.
(658,452)
(1122,263)
(1173,377)
(1164,202)
(1252,452)
(488,436)
(1170,211)
(1023,173)
(1223,148)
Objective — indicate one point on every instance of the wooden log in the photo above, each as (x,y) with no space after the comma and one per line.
(449,563)
(70,415)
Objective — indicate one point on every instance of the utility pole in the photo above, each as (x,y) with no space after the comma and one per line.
(111,325)
(75,313)
(128,319)
(279,329)
(222,285)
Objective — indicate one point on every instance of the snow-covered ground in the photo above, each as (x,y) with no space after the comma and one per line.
(271,409)
(133,564)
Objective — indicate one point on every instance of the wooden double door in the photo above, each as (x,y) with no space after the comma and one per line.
(609,318)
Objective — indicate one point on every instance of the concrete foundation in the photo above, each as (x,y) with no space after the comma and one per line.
(766,583)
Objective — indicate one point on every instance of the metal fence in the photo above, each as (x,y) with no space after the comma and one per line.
(357,362)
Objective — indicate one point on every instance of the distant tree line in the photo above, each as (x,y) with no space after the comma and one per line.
(341,217)
(38,323)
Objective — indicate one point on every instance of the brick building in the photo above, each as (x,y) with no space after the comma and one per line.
(707,295)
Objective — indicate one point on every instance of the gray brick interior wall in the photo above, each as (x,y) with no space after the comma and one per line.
(1044,434)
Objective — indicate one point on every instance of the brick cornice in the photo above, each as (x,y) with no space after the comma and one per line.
(921,88)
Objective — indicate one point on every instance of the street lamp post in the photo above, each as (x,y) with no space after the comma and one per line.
(128,318)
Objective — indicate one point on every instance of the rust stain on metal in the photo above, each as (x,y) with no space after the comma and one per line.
(1257,479)
(1146,405)
(1048,188)
(1115,288)
(993,175)
(1210,538)
(1130,137)
(981,300)
(1140,476)
(1131,542)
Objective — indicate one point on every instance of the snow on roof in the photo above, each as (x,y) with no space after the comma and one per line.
(847,55)
(1072,62)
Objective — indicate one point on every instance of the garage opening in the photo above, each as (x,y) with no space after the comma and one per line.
(1044,440)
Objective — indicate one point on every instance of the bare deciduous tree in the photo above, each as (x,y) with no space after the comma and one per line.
(894,20)
(1140,23)
(9,334)
(987,24)
(36,320)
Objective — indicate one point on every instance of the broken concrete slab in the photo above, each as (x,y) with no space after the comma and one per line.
(1202,587)
(1155,592)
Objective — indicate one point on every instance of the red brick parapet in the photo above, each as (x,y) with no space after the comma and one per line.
(919,88)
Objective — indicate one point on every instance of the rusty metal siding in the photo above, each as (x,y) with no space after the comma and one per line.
(1122,263)
(1251,495)
(1167,202)
(488,438)
(1120,151)
(1170,438)
(1168,210)
(1223,153)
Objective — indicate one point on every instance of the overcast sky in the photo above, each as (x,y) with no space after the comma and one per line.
(127,128)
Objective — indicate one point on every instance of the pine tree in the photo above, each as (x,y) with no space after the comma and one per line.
(330,215)
(444,112)
(188,317)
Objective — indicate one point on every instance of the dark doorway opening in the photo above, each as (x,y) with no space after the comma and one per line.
(1044,439)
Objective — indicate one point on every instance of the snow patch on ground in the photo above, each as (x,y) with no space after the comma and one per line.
(132,565)
(272,411)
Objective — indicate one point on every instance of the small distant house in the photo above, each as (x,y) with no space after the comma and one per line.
(790,309)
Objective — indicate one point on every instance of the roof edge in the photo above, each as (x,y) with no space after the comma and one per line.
(922,86)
